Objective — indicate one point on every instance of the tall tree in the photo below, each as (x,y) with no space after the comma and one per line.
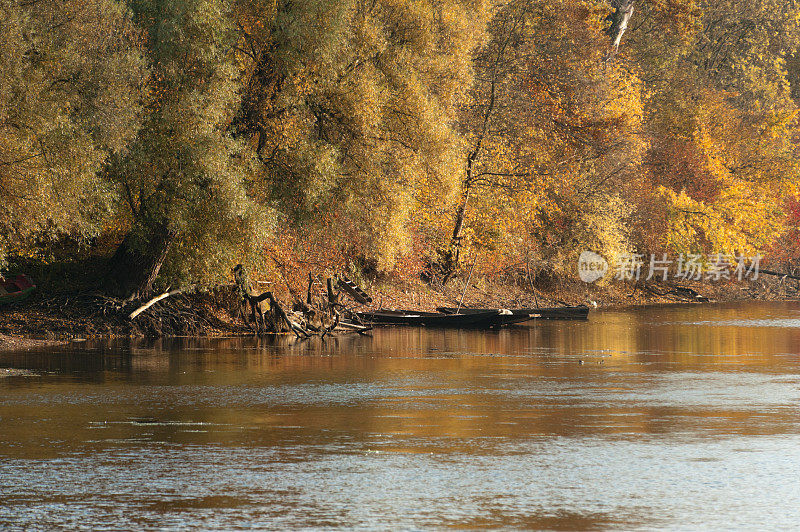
(71,91)
(351,105)
(553,132)
(618,20)
(183,180)
(721,123)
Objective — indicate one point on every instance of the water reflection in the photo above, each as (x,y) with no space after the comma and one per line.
(635,418)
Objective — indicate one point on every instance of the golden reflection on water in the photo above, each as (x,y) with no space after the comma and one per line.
(624,372)
(671,375)
(677,335)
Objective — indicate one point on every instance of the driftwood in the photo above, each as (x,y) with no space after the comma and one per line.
(354,291)
(355,327)
(652,290)
(248,301)
(315,315)
(310,286)
(690,294)
(294,326)
(332,305)
(157,299)
(333,297)
(253,303)
(676,291)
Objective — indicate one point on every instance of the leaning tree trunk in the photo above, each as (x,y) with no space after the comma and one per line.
(623,10)
(133,270)
(453,256)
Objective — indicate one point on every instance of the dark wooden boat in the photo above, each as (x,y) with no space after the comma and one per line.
(15,290)
(488,319)
(580,312)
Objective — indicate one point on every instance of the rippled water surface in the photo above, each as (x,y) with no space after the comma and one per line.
(672,417)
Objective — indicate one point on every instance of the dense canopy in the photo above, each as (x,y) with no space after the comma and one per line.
(395,135)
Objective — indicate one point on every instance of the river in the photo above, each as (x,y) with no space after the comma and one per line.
(677,417)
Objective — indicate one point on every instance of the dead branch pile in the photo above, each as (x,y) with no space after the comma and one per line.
(184,313)
(188,311)
(320,313)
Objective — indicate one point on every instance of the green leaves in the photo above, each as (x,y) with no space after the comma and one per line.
(71,94)
(353,105)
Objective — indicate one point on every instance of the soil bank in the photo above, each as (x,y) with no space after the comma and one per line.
(46,320)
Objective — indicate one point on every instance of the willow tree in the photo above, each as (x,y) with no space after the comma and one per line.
(183,181)
(351,106)
(71,86)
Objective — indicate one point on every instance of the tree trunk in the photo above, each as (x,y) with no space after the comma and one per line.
(452,257)
(454,252)
(132,271)
(623,10)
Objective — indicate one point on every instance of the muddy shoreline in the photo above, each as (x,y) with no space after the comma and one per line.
(21,343)
(46,322)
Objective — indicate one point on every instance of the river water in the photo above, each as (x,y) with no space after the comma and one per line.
(680,417)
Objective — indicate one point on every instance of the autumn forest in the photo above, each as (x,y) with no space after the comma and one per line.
(176,138)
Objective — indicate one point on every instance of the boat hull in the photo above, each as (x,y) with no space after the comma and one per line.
(16,290)
(554,313)
(474,320)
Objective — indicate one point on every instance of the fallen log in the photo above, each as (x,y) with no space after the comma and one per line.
(249,300)
(689,293)
(295,327)
(360,329)
(156,299)
(330,329)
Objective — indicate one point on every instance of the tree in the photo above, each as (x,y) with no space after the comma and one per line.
(618,20)
(184,179)
(553,132)
(721,124)
(351,105)
(71,95)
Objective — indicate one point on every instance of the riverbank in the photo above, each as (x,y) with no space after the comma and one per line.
(43,321)
(487,292)
(46,321)
(21,343)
